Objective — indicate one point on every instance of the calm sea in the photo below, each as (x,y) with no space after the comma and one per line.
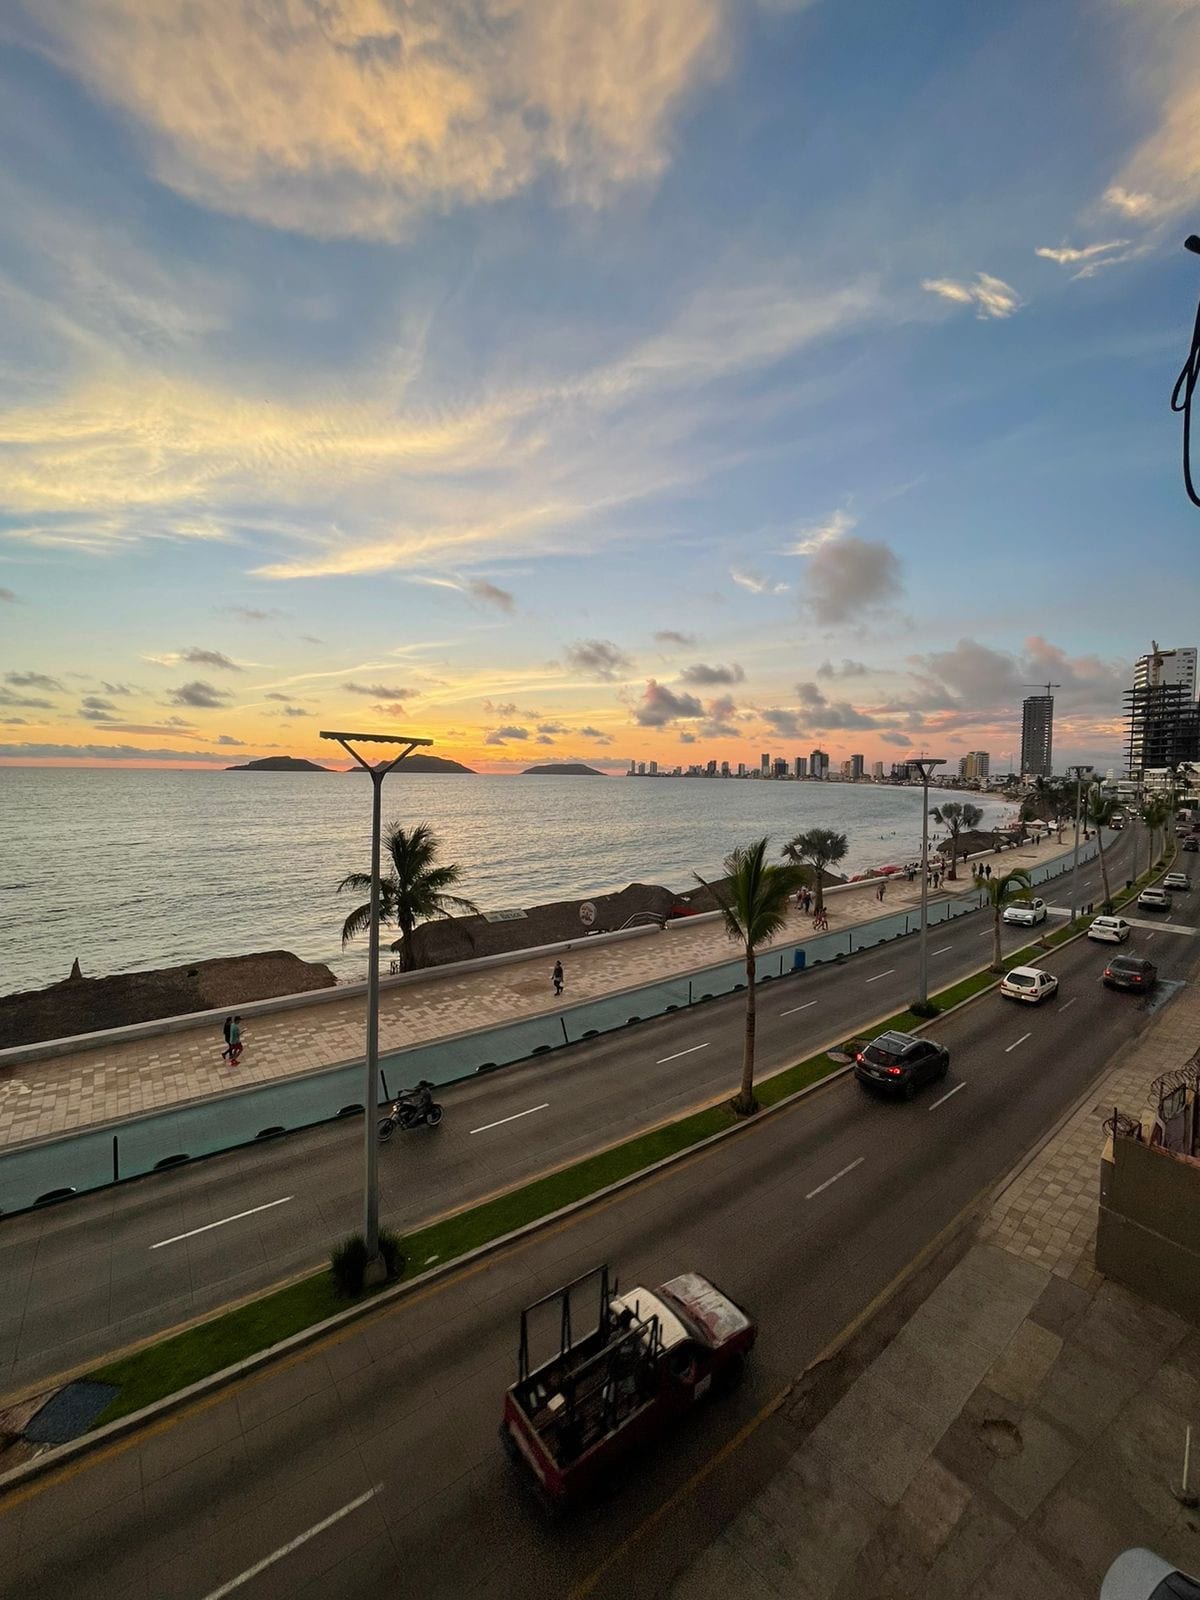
(145,869)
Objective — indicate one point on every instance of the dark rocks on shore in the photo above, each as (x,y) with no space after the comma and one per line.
(465,938)
(87,1005)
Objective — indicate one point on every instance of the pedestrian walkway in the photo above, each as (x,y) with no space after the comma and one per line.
(1024,1426)
(118,1080)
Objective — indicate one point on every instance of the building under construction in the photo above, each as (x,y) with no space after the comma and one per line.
(1161,712)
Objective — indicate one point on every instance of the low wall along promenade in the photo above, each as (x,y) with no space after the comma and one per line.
(47,1169)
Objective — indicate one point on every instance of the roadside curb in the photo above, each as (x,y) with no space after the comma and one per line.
(206,1389)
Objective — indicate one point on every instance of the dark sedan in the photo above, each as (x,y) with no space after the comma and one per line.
(1130,972)
(899,1063)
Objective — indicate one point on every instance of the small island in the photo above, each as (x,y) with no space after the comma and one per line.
(428,764)
(562,769)
(280,764)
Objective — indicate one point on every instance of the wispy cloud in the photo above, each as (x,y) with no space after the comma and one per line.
(815,534)
(201,695)
(756,583)
(991,297)
(354,117)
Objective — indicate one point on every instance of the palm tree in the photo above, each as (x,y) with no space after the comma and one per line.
(954,816)
(754,900)
(816,849)
(415,890)
(999,891)
(1099,813)
(1155,816)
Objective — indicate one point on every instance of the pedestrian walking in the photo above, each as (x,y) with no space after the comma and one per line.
(558,977)
(226,1030)
(235,1041)
(988,870)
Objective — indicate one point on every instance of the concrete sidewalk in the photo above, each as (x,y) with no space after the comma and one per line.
(1024,1426)
(67,1092)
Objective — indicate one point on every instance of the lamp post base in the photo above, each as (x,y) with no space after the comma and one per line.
(374,1272)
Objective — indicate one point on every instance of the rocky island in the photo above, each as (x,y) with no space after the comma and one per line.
(280,764)
(562,769)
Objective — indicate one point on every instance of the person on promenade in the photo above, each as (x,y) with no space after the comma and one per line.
(558,977)
(879,893)
(226,1030)
(235,1041)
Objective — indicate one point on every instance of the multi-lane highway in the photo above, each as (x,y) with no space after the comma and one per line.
(84,1278)
(369,1465)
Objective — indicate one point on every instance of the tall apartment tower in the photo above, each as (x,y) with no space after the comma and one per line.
(1037,736)
(765,763)
(800,767)
(818,764)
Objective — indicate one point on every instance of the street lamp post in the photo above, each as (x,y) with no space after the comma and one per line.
(1079,773)
(371,1081)
(924,765)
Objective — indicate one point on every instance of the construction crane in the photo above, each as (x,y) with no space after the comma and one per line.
(1046,686)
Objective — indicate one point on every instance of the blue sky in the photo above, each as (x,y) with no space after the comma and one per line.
(578,382)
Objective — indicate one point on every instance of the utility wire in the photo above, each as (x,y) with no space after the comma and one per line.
(1185,385)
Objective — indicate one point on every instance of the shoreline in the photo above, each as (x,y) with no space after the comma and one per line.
(297,911)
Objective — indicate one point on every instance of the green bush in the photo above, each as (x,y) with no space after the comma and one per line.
(348,1263)
(391,1249)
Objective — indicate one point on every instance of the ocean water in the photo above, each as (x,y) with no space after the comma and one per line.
(144,869)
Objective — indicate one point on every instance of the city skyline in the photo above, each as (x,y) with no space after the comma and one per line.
(568,385)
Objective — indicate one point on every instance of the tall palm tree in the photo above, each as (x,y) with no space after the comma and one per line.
(415,890)
(1154,815)
(1000,890)
(954,816)
(754,901)
(1100,810)
(816,849)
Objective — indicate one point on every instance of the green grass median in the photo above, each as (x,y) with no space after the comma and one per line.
(174,1363)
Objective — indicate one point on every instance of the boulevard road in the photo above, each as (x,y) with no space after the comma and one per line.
(369,1464)
(91,1275)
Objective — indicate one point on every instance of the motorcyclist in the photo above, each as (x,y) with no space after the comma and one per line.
(412,1104)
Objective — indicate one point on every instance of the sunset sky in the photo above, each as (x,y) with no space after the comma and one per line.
(564,380)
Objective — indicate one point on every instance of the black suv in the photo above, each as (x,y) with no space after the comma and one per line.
(900,1063)
(1130,972)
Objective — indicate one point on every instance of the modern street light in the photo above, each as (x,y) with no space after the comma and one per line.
(924,765)
(377,774)
(1079,776)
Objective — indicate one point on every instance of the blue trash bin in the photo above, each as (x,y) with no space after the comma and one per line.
(798,960)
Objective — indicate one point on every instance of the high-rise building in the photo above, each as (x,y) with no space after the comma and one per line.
(741,769)
(877,770)
(800,767)
(857,764)
(711,768)
(779,767)
(632,768)
(724,769)
(1161,712)
(974,766)
(1037,736)
(818,764)
(764,764)
(641,769)
(653,769)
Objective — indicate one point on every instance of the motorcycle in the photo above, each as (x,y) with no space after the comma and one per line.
(409,1109)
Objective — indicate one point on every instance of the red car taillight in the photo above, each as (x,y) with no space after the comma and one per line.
(860,1058)
(894,1072)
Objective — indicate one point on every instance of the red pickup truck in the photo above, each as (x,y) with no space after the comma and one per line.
(642,1360)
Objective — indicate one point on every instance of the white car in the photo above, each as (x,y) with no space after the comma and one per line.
(1141,1575)
(1029,983)
(1177,880)
(1154,900)
(1025,913)
(1115,930)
